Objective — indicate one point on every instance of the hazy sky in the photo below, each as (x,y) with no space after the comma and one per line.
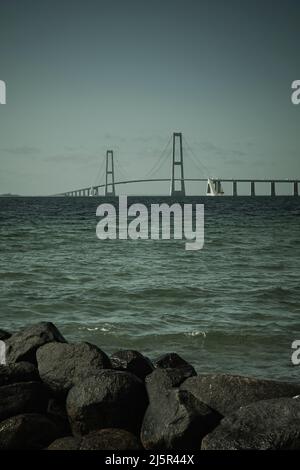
(86,75)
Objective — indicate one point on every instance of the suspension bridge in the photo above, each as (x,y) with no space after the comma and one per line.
(176,180)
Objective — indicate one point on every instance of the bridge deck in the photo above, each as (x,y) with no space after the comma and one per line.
(223,180)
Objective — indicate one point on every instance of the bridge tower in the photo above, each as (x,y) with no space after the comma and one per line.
(177,161)
(110,174)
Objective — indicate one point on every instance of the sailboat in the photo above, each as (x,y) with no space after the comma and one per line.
(214,188)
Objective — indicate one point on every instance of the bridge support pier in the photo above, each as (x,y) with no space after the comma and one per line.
(252,188)
(296,192)
(110,174)
(234,188)
(177,162)
(273,189)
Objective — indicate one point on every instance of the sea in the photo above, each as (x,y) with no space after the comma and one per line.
(232,307)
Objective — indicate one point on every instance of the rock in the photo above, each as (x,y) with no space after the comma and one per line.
(22,346)
(110,439)
(27,431)
(4,335)
(63,365)
(65,443)
(265,425)
(162,380)
(57,412)
(103,439)
(19,372)
(25,397)
(132,361)
(226,393)
(174,361)
(177,421)
(112,399)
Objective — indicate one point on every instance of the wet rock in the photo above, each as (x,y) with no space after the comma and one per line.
(4,335)
(26,397)
(162,380)
(110,399)
(264,425)
(110,439)
(63,365)
(27,431)
(132,361)
(103,439)
(65,443)
(19,372)
(174,361)
(226,393)
(56,410)
(177,421)
(22,345)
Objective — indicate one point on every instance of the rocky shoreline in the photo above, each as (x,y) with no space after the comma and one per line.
(58,395)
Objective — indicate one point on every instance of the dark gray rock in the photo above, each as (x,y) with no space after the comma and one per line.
(4,335)
(25,397)
(226,393)
(264,425)
(162,380)
(27,431)
(177,421)
(103,439)
(22,345)
(132,361)
(19,372)
(63,365)
(174,361)
(112,399)
(65,443)
(56,411)
(110,439)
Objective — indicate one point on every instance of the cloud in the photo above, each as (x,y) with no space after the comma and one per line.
(224,152)
(80,158)
(22,150)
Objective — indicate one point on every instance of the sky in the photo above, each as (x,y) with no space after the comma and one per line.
(84,76)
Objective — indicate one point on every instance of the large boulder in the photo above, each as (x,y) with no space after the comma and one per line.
(63,365)
(112,399)
(176,421)
(65,443)
(132,361)
(226,393)
(19,372)
(56,410)
(27,431)
(264,425)
(162,380)
(26,397)
(4,335)
(103,439)
(22,345)
(110,439)
(174,361)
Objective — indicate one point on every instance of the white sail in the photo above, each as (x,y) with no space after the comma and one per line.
(214,188)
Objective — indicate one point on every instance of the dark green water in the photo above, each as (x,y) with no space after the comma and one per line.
(232,307)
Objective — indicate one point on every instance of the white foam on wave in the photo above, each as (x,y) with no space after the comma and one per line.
(196,333)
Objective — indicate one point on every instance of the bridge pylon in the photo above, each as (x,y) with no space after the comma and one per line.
(177,161)
(110,174)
